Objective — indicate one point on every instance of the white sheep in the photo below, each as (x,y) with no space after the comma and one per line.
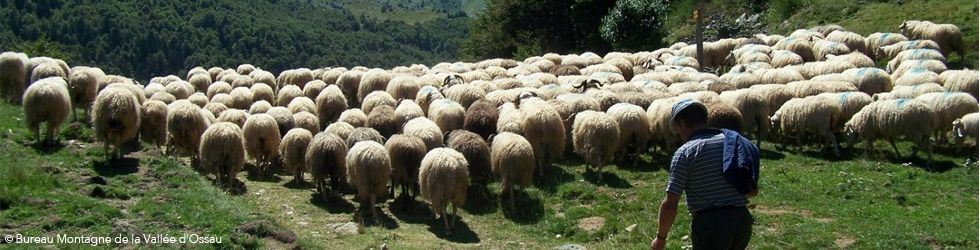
(443,179)
(891,119)
(222,152)
(368,171)
(46,101)
(595,137)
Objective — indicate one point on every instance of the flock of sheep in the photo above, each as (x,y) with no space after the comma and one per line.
(436,130)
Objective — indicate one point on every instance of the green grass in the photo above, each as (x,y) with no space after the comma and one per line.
(807,201)
(45,191)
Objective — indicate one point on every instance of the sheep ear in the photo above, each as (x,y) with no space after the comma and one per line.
(490,138)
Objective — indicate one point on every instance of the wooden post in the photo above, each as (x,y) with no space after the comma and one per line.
(698,36)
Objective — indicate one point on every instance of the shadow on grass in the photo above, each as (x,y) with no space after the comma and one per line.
(332,203)
(115,167)
(410,211)
(384,220)
(254,174)
(480,201)
(609,179)
(461,231)
(45,148)
(526,210)
(657,162)
(553,177)
(770,154)
(236,188)
(292,184)
(923,163)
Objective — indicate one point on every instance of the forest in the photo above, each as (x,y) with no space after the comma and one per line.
(143,39)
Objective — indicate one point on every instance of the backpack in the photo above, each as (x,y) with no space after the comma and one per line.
(740,163)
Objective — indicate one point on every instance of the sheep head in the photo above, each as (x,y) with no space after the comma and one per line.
(851,135)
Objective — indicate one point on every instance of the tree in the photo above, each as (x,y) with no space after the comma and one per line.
(635,24)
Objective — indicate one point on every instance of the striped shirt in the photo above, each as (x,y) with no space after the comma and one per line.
(696,169)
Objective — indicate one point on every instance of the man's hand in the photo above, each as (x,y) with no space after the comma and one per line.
(658,244)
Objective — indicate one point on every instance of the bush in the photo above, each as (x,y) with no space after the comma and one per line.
(635,24)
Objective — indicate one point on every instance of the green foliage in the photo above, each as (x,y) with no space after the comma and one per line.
(151,38)
(635,24)
(43,47)
(508,28)
(782,9)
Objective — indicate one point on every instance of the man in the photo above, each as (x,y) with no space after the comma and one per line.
(720,219)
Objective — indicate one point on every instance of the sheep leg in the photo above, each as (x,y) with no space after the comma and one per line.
(445,223)
(833,141)
(895,147)
(374,212)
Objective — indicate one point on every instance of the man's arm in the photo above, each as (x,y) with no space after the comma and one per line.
(668,212)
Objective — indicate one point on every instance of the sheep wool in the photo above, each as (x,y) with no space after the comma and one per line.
(947,106)
(222,152)
(185,124)
(46,101)
(13,75)
(406,153)
(368,171)
(330,103)
(341,129)
(426,130)
(476,151)
(481,118)
(83,84)
(292,149)
(512,160)
(634,128)
(116,117)
(325,158)
(544,128)
(262,139)
(234,116)
(354,117)
(447,114)
(595,137)
(891,119)
(443,179)
(961,80)
(808,116)
(153,123)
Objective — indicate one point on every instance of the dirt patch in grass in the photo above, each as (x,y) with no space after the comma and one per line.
(591,224)
(844,241)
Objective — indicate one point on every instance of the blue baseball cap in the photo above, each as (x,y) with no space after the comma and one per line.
(684,104)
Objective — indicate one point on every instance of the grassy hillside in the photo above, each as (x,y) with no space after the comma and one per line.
(860,16)
(807,201)
(411,11)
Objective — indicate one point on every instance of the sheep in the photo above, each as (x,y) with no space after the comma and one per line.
(909,66)
(241,98)
(284,118)
(406,153)
(754,109)
(447,114)
(216,108)
(325,158)
(799,46)
(424,129)
(853,41)
(811,87)
(595,137)
(443,179)
(301,104)
(375,99)
(329,104)
(185,124)
(163,97)
(83,84)
(264,77)
(912,91)
(383,119)
(263,92)
(218,88)
(565,70)
(965,126)
(288,93)
(477,153)
(153,123)
(116,118)
(947,36)
(634,129)
(222,152)
(245,69)
(374,80)
(368,171)
(306,120)
(870,80)
(891,51)
(891,119)
(544,128)
(214,72)
(341,129)
(780,76)
(512,160)
(917,76)
(915,54)
(403,87)
(259,107)
(425,96)
(148,91)
(181,89)
(511,119)
(723,115)
(48,69)
(782,58)
(824,48)
(298,77)
(812,69)
(354,117)
(811,115)
(876,40)
(200,81)
(234,116)
(855,58)
(262,139)
(849,103)
(292,149)
(364,134)
(13,75)
(46,101)
(348,83)
(961,80)
(198,99)
(407,110)
(464,94)
(481,118)
(826,29)
(947,106)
